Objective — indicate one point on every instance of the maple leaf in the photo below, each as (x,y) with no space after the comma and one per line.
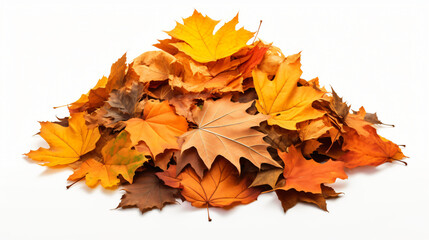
(281,98)
(200,43)
(159,128)
(224,129)
(371,150)
(67,144)
(118,159)
(148,192)
(291,197)
(307,175)
(221,186)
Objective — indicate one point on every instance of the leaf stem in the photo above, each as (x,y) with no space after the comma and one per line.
(75,182)
(61,106)
(257,32)
(208,213)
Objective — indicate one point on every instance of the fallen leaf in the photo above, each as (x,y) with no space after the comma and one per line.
(159,128)
(307,175)
(122,105)
(282,99)
(291,197)
(118,159)
(221,186)
(200,43)
(148,192)
(371,150)
(224,129)
(67,144)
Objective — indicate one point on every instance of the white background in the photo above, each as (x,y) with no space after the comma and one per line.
(373,54)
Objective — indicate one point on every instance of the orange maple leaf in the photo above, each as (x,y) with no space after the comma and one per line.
(307,175)
(159,128)
(371,150)
(222,186)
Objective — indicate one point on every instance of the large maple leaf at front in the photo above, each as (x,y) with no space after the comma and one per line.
(224,128)
(220,187)
(67,144)
(200,43)
(281,98)
(118,159)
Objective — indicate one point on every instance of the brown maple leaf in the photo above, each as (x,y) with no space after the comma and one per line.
(148,192)
(291,197)
(122,105)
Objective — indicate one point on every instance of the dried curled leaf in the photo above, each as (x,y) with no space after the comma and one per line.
(291,197)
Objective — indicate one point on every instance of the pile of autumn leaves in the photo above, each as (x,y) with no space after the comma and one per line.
(213,121)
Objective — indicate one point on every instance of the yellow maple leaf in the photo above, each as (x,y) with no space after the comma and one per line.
(118,158)
(200,43)
(67,144)
(281,98)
